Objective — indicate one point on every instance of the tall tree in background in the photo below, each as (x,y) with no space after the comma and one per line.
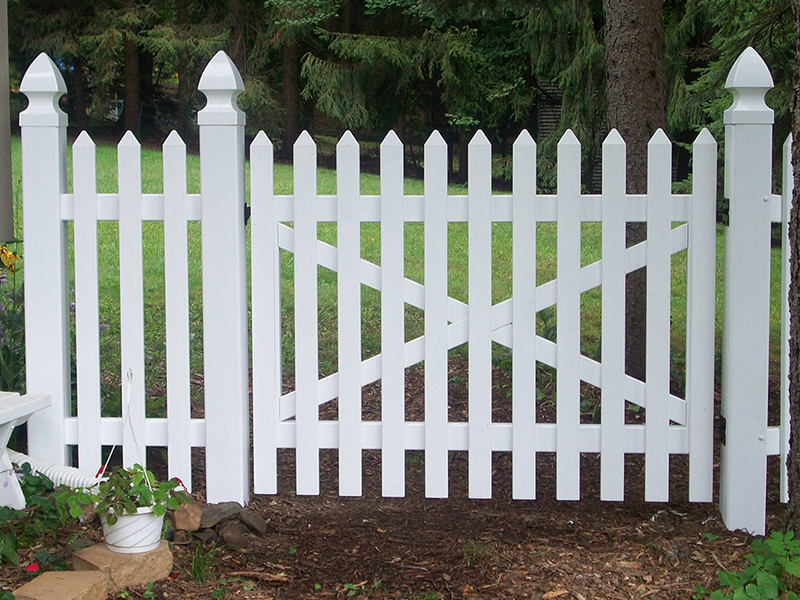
(636,96)
(793,517)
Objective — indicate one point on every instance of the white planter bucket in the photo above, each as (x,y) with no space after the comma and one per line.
(132,534)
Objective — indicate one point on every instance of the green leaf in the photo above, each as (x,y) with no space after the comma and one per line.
(768,585)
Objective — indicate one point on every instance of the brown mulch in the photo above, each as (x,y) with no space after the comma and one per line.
(426,549)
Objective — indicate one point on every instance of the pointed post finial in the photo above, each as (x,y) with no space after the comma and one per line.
(44,85)
(749,80)
(221,84)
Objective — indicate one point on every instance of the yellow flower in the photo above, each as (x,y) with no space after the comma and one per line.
(8,258)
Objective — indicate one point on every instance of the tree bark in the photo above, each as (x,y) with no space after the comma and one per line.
(133,100)
(793,515)
(636,94)
(236,46)
(291,95)
(79,112)
(183,74)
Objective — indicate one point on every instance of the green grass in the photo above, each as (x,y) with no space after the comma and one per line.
(414,256)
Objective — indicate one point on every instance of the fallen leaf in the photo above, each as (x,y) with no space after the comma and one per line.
(554,594)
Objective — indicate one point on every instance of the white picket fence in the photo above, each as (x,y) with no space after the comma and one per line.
(675,222)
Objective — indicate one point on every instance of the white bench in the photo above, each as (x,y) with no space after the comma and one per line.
(14,410)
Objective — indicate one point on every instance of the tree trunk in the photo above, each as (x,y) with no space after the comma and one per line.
(793,516)
(636,93)
(183,75)
(79,113)
(291,95)
(236,47)
(133,98)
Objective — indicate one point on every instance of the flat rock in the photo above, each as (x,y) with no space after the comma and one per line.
(188,517)
(65,585)
(234,535)
(125,570)
(254,521)
(216,513)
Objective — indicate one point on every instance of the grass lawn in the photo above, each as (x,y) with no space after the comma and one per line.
(326,183)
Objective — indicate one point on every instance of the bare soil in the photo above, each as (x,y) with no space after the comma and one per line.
(425,549)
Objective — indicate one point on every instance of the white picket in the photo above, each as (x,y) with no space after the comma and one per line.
(479,170)
(524,318)
(657,371)
(348,190)
(266,314)
(392,317)
(305,314)
(176,290)
(131,299)
(568,323)
(700,327)
(87,314)
(612,398)
(436,365)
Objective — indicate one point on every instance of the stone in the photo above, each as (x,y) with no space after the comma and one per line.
(216,513)
(187,517)
(125,570)
(254,521)
(65,585)
(234,535)
(181,537)
(206,536)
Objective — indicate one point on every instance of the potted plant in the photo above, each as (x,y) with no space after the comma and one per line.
(131,505)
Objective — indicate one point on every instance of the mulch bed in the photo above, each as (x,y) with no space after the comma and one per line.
(425,549)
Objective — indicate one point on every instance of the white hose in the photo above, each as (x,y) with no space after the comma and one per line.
(59,475)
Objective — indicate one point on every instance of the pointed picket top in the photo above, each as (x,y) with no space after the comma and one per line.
(659,139)
(788,142)
(261,141)
(569,139)
(613,139)
(221,83)
(84,140)
(129,141)
(704,138)
(749,80)
(391,139)
(174,139)
(44,85)
(304,140)
(435,139)
(524,139)
(347,139)
(479,139)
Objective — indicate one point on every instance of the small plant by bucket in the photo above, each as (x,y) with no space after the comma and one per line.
(131,505)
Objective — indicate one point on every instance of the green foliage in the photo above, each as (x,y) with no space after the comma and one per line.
(46,511)
(125,491)
(200,563)
(773,573)
(12,323)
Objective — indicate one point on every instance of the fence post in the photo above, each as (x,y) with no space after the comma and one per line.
(745,345)
(44,179)
(227,407)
